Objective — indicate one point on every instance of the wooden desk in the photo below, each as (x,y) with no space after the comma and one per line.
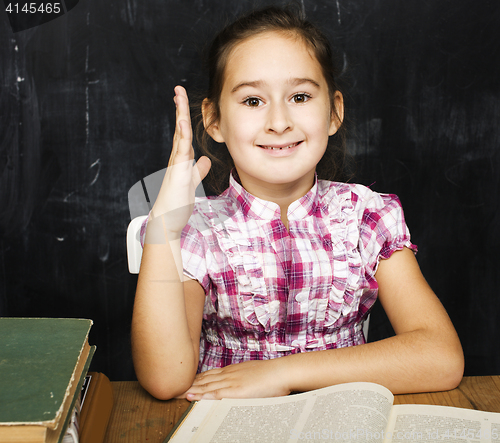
(138,417)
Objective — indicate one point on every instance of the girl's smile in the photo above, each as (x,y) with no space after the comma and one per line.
(275,114)
(281,150)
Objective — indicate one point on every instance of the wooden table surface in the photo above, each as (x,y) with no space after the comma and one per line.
(138,417)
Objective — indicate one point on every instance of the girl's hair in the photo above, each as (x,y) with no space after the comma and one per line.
(271,19)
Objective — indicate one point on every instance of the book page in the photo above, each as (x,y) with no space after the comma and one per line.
(353,414)
(252,420)
(430,423)
(187,429)
(353,411)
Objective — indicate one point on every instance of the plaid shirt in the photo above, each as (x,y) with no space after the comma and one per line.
(272,292)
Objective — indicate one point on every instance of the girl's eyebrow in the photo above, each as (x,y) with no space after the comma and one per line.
(254,84)
(301,81)
(292,82)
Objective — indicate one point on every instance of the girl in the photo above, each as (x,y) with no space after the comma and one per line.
(281,264)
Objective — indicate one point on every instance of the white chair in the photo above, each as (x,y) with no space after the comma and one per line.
(134,247)
(365,327)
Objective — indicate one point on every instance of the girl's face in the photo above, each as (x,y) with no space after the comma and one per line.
(275,115)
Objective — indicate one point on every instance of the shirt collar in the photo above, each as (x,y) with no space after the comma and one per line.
(255,207)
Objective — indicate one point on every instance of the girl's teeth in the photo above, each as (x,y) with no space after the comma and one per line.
(276,149)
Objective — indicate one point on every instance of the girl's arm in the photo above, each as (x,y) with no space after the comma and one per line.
(167,316)
(424,355)
(166,327)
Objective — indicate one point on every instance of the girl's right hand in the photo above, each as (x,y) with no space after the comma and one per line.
(176,197)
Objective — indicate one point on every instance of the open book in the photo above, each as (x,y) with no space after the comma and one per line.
(351,412)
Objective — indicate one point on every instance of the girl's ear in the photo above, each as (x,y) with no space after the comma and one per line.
(337,116)
(210,122)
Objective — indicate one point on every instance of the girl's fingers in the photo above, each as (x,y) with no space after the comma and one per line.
(182,143)
(186,138)
(202,167)
(177,193)
(209,390)
(182,149)
(213,395)
(182,105)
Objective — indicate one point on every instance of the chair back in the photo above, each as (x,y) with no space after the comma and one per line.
(134,247)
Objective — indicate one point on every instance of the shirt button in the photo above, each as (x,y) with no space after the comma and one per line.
(301,297)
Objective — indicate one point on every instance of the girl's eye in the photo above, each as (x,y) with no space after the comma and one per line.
(301,98)
(253,102)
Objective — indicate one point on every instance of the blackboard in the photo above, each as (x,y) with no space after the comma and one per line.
(86,111)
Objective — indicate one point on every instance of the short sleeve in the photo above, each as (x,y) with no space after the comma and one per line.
(383,229)
(193,250)
(142,232)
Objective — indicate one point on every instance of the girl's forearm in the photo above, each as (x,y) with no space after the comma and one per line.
(424,355)
(416,361)
(165,358)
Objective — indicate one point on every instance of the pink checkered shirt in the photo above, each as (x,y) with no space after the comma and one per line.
(272,292)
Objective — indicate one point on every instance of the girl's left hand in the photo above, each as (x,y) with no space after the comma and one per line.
(249,379)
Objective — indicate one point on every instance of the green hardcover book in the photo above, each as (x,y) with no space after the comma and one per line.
(43,362)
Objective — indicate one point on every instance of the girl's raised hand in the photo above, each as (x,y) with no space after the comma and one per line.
(176,197)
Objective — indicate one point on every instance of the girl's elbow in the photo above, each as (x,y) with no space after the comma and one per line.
(168,387)
(165,392)
(165,382)
(451,368)
(456,371)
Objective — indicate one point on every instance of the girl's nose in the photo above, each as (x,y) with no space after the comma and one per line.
(278,118)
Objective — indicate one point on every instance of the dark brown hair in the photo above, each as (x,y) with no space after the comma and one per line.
(288,20)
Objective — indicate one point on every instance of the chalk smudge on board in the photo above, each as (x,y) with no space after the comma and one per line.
(98,164)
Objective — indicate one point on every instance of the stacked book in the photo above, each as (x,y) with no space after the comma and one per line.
(43,365)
